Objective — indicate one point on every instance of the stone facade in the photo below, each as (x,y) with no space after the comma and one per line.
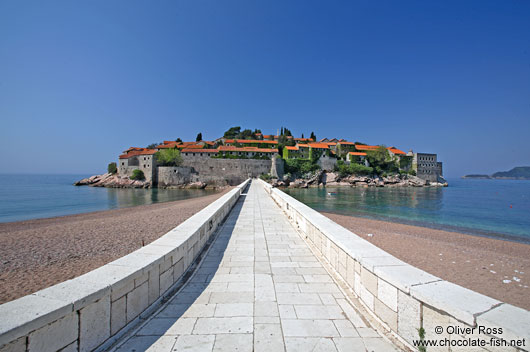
(197,167)
(427,167)
(145,163)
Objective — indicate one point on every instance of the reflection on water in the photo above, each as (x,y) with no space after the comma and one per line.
(486,207)
(24,197)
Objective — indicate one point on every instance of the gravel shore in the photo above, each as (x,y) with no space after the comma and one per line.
(495,268)
(36,254)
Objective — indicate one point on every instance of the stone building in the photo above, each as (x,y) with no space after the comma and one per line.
(138,158)
(427,167)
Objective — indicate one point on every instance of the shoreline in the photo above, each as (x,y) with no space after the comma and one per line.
(39,253)
(442,227)
(479,263)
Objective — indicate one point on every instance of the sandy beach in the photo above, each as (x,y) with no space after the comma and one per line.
(496,268)
(36,254)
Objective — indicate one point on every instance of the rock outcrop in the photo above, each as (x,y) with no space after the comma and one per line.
(333,179)
(112,181)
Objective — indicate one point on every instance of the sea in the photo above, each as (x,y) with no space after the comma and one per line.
(491,208)
(24,197)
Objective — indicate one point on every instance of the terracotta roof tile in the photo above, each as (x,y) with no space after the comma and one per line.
(319,145)
(357,153)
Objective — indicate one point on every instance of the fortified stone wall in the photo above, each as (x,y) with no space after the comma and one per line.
(225,171)
(174,176)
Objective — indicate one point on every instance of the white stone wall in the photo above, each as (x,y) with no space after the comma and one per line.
(402,297)
(84,313)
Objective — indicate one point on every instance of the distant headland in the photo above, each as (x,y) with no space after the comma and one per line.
(281,159)
(517,173)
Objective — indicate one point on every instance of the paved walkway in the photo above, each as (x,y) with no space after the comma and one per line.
(258,289)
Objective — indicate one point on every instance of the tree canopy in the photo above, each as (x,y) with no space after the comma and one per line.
(199,137)
(169,157)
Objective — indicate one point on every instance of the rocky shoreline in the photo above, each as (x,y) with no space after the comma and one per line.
(116,181)
(323,178)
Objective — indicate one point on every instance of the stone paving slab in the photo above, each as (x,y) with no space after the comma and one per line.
(259,288)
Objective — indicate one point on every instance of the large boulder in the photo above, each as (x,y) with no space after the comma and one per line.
(329,177)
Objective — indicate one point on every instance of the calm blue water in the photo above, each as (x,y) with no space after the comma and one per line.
(24,197)
(479,207)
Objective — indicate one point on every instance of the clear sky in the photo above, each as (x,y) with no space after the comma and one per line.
(81,81)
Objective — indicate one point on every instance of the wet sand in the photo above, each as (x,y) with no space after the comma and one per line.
(478,263)
(36,254)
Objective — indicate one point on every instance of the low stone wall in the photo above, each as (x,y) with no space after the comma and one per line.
(400,296)
(88,312)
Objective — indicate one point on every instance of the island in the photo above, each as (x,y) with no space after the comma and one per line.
(517,173)
(280,159)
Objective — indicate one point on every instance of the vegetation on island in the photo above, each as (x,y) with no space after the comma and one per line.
(137,175)
(199,137)
(168,157)
(112,168)
(517,173)
(236,133)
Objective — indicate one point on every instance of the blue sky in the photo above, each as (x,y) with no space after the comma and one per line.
(82,81)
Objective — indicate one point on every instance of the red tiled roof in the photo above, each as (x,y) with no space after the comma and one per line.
(131,149)
(330,143)
(167,146)
(143,151)
(196,150)
(170,142)
(346,142)
(303,139)
(357,153)
(366,147)
(192,146)
(396,151)
(303,145)
(319,145)
(291,147)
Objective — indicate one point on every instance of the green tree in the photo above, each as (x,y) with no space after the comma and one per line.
(169,157)
(137,175)
(232,132)
(313,137)
(381,161)
(178,140)
(111,168)
(302,135)
(152,145)
(199,137)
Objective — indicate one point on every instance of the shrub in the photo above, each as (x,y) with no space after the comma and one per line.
(297,166)
(112,168)
(169,157)
(137,175)
(352,169)
(265,177)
